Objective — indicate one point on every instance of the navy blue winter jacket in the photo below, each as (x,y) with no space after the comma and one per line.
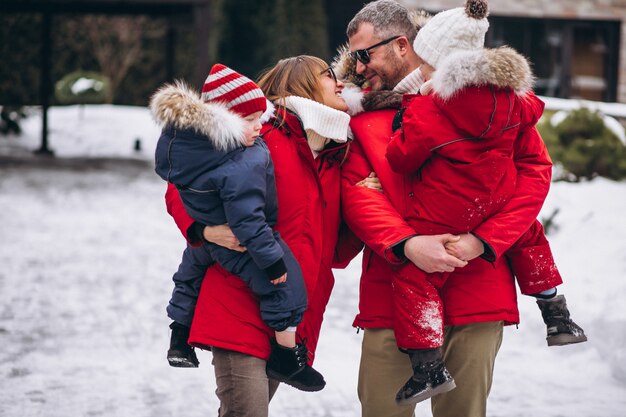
(220,181)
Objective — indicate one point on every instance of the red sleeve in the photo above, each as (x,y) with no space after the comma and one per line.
(534,171)
(368,213)
(176,209)
(409,148)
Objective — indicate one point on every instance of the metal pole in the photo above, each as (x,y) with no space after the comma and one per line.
(170,51)
(202,24)
(45,83)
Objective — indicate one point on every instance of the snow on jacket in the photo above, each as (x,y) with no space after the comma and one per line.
(227,312)
(460,138)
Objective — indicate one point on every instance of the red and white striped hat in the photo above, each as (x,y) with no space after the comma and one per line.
(239,93)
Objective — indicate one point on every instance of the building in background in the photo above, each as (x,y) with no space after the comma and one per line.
(576,47)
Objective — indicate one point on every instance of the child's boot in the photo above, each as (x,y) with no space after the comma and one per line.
(561,329)
(290,365)
(430,377)
(180,354)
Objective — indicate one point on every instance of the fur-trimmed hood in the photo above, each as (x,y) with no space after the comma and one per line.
(502,67)
(179,106)
(344,66)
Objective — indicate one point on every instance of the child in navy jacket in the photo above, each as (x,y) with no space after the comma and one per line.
(211,151)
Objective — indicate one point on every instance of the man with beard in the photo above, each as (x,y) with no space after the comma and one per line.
(479,297)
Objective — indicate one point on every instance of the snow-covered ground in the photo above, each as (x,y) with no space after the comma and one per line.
(87,253)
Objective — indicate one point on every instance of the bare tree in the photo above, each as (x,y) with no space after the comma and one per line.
(117,44)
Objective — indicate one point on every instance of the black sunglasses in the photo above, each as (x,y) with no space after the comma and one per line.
(330,72)
(363,55)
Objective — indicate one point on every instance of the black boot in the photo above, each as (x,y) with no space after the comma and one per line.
(289,365)
(430,377)
(561,329)
(180,354)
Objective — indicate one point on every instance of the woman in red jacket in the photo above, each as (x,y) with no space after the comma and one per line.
(307,139)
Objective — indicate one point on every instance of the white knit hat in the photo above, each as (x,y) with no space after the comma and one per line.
(459,29)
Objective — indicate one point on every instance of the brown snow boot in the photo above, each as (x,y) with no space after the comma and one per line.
(561,329)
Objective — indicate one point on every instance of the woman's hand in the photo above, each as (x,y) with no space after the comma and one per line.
(466,248)
(279,280)
(372,181)
(222,235)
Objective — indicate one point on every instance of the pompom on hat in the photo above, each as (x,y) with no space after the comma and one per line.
(459,29)
(239,93)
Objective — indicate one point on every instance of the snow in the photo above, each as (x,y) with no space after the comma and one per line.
(610,122)
(608,111)
(83,84)
(88,251)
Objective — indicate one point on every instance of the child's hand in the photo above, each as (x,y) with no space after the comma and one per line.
(279,280)
(466,248)
(372,181)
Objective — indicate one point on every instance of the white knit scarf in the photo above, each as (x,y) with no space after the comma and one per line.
(321,123)
(410,84)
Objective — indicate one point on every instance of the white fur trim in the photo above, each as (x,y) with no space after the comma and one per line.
(178,105)
(503,67)
(353,95)
(269,111)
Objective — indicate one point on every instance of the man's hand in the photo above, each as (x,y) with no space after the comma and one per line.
(466,248)
(278,280)
(372,182)
(222,235)
(429,254)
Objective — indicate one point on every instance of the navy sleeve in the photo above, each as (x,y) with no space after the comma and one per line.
(243,193)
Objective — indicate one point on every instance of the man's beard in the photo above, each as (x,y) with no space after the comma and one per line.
(397,71)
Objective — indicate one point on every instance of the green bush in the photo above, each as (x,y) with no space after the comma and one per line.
(585,147)
(82,87)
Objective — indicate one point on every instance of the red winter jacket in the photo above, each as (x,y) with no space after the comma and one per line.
(504,67)
(462,149)
(227,312)
(478,292)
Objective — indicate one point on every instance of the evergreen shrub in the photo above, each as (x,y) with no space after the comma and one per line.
(584,147)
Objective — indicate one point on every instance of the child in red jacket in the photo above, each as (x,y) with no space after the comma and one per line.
(458,135)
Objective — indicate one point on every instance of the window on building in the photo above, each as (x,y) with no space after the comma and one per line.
(570,58)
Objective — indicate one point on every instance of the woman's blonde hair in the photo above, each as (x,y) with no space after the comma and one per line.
(296,76)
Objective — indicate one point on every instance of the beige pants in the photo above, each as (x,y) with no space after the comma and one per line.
(469,354)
